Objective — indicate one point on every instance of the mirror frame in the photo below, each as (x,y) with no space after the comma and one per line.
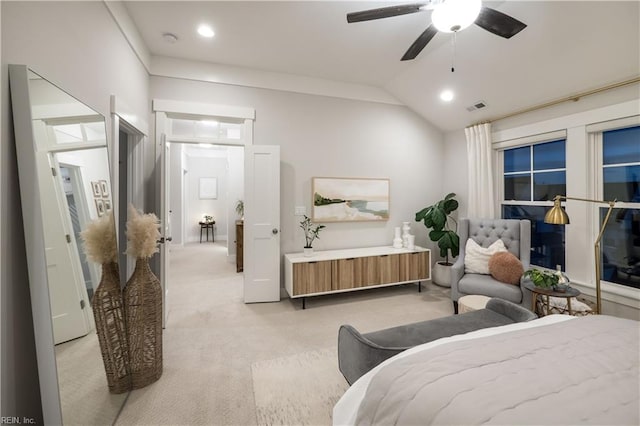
(32,219)
(34,244)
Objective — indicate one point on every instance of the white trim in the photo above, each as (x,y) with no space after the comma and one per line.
(610,112)
(614,124)
(200,109)
(239,76)
(530,140)
(128,116)
(129,31)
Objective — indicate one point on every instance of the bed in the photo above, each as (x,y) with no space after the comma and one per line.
(554,370)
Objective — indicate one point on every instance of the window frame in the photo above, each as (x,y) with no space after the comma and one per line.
(529,141)
(595,136)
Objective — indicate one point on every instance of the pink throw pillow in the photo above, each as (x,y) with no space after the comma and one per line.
(506,268)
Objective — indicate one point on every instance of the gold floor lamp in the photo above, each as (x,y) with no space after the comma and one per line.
(557,216)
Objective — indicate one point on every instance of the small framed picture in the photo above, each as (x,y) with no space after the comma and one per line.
(208,188)
(100,207)
(97,190)
(104,189)
(107,205)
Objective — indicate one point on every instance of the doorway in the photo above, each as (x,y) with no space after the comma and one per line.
(180,122)
(80,218)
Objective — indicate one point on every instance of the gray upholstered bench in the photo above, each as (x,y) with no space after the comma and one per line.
(358,353)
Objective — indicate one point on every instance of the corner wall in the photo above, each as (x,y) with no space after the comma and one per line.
(77,46)
(323,136)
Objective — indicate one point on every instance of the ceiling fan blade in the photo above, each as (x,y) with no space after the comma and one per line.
(498,23)
(420,43)
(385,12)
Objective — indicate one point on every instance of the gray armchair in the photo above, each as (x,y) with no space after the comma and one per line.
(516,235)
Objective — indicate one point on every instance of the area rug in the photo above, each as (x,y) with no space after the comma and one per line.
(300,389)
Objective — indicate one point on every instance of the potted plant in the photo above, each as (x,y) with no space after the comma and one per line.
(311,232)
(240,208)
(437,218)
(543,279)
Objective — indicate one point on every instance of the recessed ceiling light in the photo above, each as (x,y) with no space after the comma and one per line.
(446,95)
(170,38)
(205,31)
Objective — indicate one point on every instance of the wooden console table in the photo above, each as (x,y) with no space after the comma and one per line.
(239,245)
(337,271)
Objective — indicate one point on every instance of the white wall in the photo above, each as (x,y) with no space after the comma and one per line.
(324,136)
(196,208)
(581,234)
(77,46)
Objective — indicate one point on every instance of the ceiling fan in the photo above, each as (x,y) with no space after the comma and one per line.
(447,16)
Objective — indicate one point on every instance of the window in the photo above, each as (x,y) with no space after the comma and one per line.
(533,175)
(620,180)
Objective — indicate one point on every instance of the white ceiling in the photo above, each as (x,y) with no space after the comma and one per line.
(568,47)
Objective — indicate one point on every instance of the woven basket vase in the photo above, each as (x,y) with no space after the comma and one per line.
(143,311)
(108,312)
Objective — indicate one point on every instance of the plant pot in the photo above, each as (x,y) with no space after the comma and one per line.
(441,274)
(308,251)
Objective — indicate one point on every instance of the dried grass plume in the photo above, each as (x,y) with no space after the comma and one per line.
(142,233)
(100,240)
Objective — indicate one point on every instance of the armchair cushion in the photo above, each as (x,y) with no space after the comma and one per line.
(476,259)
(489,286)
(506,268)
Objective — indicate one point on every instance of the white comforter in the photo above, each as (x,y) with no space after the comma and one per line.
(346,410)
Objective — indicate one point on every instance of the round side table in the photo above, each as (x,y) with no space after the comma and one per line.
(540,300)
(472,302)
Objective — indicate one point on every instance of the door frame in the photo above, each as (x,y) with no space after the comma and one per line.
(136,127)
(164,110)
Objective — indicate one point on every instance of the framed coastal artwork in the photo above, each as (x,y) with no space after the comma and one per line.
(350,199)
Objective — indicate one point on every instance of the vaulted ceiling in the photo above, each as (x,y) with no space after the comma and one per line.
(567,47)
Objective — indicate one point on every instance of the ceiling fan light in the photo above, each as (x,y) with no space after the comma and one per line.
(447,95)
(455,15)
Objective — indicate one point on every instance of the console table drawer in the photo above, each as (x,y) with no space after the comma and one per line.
(346,273)
(388,268)
(414,266)
(311,277)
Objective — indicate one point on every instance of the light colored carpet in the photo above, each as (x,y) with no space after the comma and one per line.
(84,392)
(213,339)
(299,389)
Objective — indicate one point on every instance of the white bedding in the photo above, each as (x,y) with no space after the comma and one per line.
(346,410)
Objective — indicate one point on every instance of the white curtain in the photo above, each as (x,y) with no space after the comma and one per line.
(480,163)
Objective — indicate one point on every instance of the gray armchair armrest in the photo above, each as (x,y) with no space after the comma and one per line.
(457,272)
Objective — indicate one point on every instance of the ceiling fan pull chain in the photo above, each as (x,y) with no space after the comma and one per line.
(453,57)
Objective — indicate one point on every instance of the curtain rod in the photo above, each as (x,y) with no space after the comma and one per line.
(574,98)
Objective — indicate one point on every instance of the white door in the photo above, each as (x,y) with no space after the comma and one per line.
(165,224)
(262,224)
(69,302)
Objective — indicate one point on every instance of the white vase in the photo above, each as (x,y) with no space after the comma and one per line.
(405,233)
(308,251)
(397,239)
(411,244)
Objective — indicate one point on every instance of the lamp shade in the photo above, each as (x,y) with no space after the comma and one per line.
(556,216)
(455,15)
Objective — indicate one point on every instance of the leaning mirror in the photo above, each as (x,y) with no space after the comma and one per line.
(63,165)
